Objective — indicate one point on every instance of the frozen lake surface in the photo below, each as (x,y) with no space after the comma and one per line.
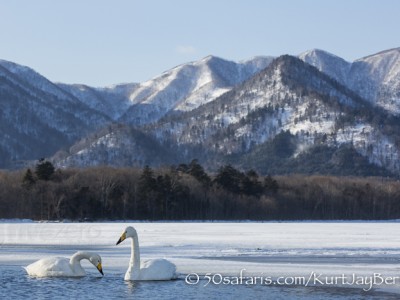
(294,260)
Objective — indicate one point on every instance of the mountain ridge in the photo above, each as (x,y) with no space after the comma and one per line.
(213,109)
(287,95)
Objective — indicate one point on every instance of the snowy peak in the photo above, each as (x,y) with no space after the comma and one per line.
(383,66)
(232,73)
(214,109)
(37,117)
(327,63)
(259,108)
(385,53)
(288,96)
(209,58)
(30,77)
(15,68)
(297,71)
(188,86)
(375,77)
(318,54)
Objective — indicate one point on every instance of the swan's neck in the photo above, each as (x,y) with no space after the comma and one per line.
(134,263)
(75,261)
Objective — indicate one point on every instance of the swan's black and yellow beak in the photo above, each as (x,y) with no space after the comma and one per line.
(122,238)
(100,268)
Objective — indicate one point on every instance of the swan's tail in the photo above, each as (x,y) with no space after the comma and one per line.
(26,269)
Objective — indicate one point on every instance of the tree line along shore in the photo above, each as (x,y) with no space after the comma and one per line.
(188,192)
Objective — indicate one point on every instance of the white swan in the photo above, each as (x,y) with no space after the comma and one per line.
(64,267)
(154,269)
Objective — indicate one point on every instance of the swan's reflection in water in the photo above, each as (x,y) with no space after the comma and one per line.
(132,285)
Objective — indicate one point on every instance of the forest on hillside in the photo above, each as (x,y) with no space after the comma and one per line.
(188,192)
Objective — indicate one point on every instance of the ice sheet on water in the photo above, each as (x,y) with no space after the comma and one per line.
(272,248)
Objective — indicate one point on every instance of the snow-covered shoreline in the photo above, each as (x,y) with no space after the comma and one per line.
(262,249)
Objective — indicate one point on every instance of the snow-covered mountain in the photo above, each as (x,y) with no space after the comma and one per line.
(375,77)
(112,101)
(288,96)
(182,88)
(37,117)
(313,114)
(117,145)
(34,107)
(248,124)
(28,76)
(188,86)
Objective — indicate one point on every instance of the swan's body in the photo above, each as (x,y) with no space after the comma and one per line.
(62,266)
(153,269)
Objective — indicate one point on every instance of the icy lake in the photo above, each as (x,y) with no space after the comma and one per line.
(272,260)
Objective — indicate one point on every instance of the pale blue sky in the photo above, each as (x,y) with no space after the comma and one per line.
(99,42)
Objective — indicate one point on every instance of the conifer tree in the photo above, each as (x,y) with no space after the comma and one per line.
(44,170)
(28,180)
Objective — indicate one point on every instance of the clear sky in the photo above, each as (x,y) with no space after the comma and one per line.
(100,42)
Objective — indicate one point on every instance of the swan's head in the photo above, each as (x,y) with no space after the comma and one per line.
(95,259)
(129,232)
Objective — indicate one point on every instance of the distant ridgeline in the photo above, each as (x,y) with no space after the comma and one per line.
(311,114)
(187,192)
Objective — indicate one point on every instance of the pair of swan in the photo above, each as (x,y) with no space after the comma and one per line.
(154,269)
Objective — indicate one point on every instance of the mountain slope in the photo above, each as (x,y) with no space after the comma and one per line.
(375,77)
(38,118)
(288,95)
(33,107)
(188,86)
(273,116)
(116,145)
(112,101)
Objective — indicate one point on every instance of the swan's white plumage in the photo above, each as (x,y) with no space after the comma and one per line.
(153,269)
(63,267)
(53,266)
